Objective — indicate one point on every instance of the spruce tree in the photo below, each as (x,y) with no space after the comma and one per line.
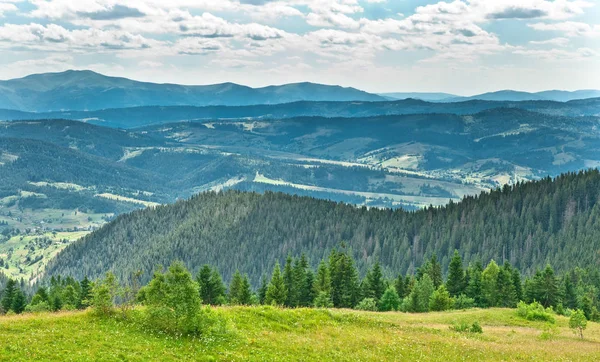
(569,293)
(204,282)
(424,290)
(322,281)
(517,283)
(400,286)
(19,302)
(262,290)
(549,287)
(217,288)
(505,289)
(8,295)
(245,293)
(489,279)
(276,291)
(375,284)
(475,287)
(288,278)
(456,276)
(235,288)
(436,272)
(85,294)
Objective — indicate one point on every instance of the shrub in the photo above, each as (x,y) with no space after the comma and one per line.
(463,302)
(368,304)
(323,300)
(173,301)
(464,327)
(440,300)
(103,295)
(534,312)
(578,322)
(39,307)
(389,300)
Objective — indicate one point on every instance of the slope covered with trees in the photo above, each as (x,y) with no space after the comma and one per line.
(529,225)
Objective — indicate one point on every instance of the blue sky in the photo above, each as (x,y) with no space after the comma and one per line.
(462,46)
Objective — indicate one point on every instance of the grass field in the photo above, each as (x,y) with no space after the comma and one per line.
(271,334)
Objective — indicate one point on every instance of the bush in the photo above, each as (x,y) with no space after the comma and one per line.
(535,312)
(103,295)
(389,300)
(368,304)
(578,322)
(39,307)
(323,300)
(463,302)
(440,300)
(173,301)
(476,328)
(464,327)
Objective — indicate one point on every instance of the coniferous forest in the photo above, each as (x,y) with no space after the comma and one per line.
(529,225)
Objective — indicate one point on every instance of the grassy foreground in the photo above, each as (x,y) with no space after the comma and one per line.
(270,334)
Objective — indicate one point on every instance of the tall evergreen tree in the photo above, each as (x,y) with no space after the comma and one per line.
(475,286)
(374,283)
(456,276)
(549,287)
(85,295)
(518,284)
(288,278)
(18,302)
(235,288)
(244,296)
(8,294)
(489,279)
(569,293)
(262,290)
(276,291)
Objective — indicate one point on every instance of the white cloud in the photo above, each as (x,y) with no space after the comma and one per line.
(553,41)
(569,28)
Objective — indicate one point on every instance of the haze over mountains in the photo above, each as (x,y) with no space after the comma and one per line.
(86,90)
(66,173)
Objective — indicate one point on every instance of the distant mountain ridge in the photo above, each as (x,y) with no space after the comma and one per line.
(144,116)
(500,96)
(87,90)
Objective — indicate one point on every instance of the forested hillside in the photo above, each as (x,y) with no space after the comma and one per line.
(529,224)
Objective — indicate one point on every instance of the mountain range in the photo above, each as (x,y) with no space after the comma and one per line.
(80,90)
(87,90)
(503,95)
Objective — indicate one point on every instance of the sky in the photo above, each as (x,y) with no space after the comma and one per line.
(463,47)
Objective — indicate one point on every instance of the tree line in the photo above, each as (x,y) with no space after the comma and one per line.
(529,224)
(335,283)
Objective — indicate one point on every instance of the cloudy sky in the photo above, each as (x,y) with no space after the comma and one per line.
(462,46)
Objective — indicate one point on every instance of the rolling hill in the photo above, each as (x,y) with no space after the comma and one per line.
(87,90)
(529,224)
(143,116)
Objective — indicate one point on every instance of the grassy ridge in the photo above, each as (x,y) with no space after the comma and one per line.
(265,334)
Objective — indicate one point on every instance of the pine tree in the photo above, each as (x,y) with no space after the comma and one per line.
(344,280)
(550,290)
(505,289)
(235,288)
(456,276)
(217,289)
(276,291)
(322,281)
(85,294)
(18,302)
(8,295)
(400,286)
(375,284)
(569,294)
(245,293)
(489,279)
(203,280)
(475,287)
(517,283)
(262,290)
(288,278)
(424,289)
(436,272)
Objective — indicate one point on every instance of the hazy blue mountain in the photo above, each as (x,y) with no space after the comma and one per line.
(143,116)
(424,96)
(511,95)
(87,90)
(565,96)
